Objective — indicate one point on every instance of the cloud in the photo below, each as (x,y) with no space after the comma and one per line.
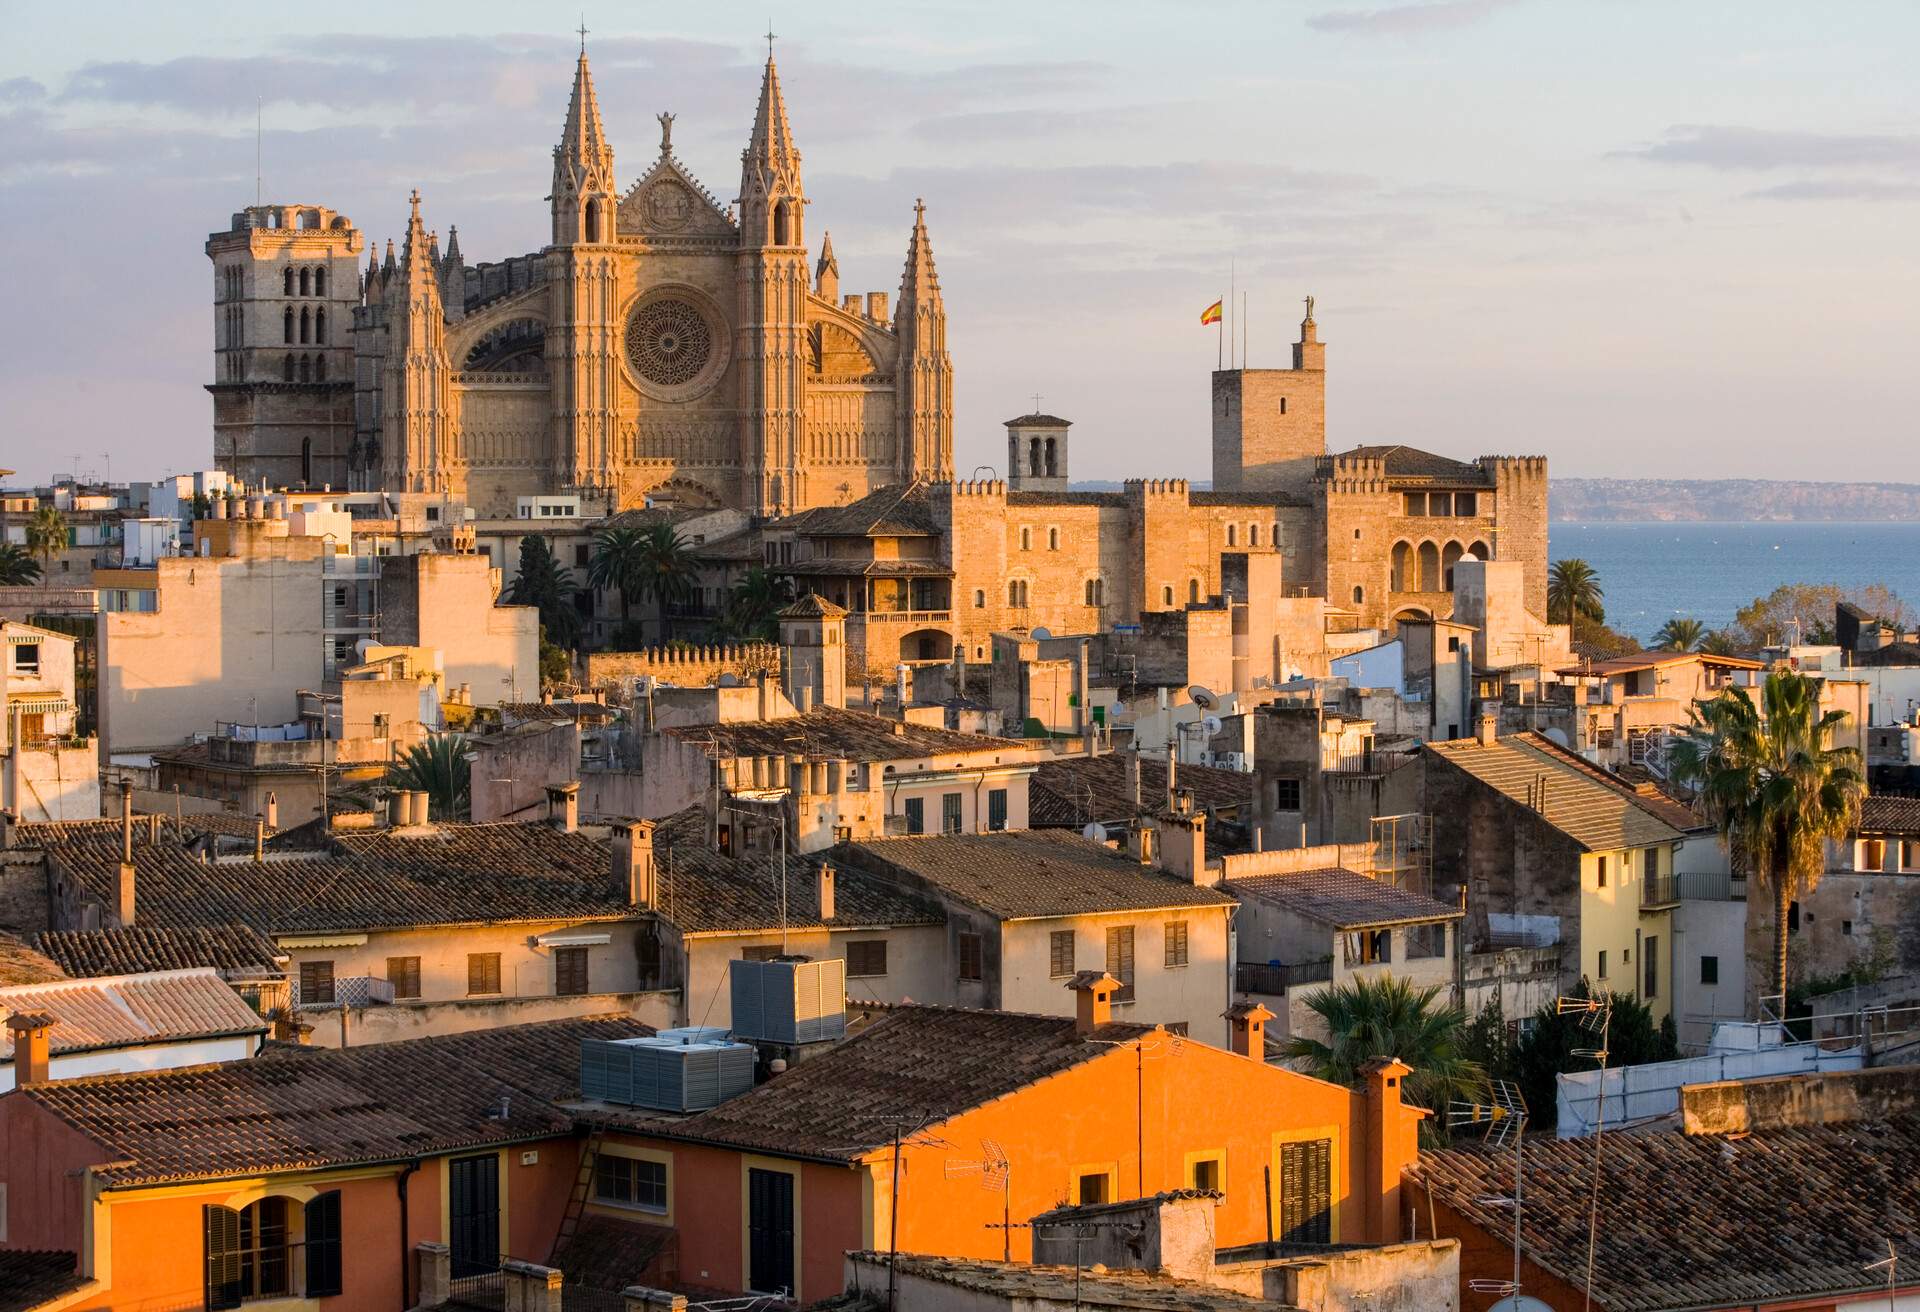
(1435,16)
(1840,189)
(1718,146)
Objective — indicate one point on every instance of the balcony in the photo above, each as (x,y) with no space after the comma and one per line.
(347,991)
(1274,979)
(1659,891)
(914,617)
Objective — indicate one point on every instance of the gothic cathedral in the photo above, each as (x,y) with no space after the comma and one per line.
(661,346)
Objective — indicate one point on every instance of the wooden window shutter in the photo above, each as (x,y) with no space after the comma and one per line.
(221,1228)
(323,1245)
(483,972)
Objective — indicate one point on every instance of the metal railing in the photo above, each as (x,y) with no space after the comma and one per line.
(902,616)
(1275,978)
(347,991)
(1660,890)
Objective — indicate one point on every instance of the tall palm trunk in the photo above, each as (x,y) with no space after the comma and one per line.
(1782,905)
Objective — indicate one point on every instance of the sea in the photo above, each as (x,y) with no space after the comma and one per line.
(1650,573)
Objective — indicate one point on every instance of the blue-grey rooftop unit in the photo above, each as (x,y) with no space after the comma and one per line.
(789,1001)
(673,1075)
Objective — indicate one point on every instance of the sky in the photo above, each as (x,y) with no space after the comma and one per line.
(1640,237)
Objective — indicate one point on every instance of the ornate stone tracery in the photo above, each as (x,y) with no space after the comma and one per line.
(668,342)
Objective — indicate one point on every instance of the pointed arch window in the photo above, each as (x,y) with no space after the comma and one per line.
(306,325)
(286,370)
(306,368)
(320,282)
(320,325)
(1253,535)
(1233,532)
(593,221)
(319,368)
(783,224)
(286,281)
(306,282)
(286,325)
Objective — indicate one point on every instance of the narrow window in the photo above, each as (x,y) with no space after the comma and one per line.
(1602,971)
(1166,596)
(319,282)
(323,1246)
(306,282)
(950,813)
(306,325)
(1286,794)
(1026,539)
(1205,1173)
(1650,965)
(970,956)
(1600,874)
(1283,405)
(1053,539)
(286,325)
(1231,530)
(320,325)
(1060,953)
(979,598)
(1253,535)
(1306,1192)
(1359,596)
(1193,590)
(996,809)
(570,972)
(483,973)
(1120,960)
(916,808)
(316,983)
(1176,943)
(1709,970)
(866,958)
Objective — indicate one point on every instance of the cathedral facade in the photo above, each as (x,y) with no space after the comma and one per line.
(662,345)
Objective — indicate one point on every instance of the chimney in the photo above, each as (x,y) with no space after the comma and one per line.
(766,696)
(1140,836)
(1093,992)
(31,1056)
(1393,1144)
(633,867)
(1181,836)
(259,838)
(903,682)
(563,807)
(1133,774)
(420,809)
(153,828)
(123,883)
(1487,730)
(823,889)
(273,811)
(1247,1024)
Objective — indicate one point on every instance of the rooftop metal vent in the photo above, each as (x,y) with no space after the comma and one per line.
(789,1001)
(677,1074)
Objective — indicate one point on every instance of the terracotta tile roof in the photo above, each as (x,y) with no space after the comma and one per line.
(1651,660)
(854,568)
(236,950)
(888,512)
(1022,1284)
(307,1108)
(856,735)
(1038,420)
(612,1253)
(1026,874)
(1069,791)
(812,606)
(1251,500)
(32,1277)
(1702,1220)
(1890,815)
(1644,793)
(20,963)
(1412,462)
(449,875)
(912,1058)
(123,1011)
(1893,654)
(743,547)
(1343,899)
(703,892)
(1030,497)
(45,834)
(1593,812)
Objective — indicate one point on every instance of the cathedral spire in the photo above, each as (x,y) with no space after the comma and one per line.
(771,148)
(919,283)
(387,269)
(826,273)
(583,186)
(417,258)
(583,143)
(924,401)
(772,199)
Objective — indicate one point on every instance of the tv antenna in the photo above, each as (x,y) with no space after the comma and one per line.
(1505,1119)
(995,1172)
(1596,1017)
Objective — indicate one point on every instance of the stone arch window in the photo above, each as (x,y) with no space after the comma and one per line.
(320,282)
(1096,592)
(979,598)
(1253,535)
(1026,538)
(286,281)
(319,368)
(1283,405)
(320,325)
(306,325)
(1233,535)
(1053,538)
(1166,596)
(1017,593)
(286,324)
(286,371)
(1273,538)
(306,282)
(306,368)
(591,231)
(1193,591)
(1033,457)
(1479,551)
(1402,560)
(1053,467)
(1429,567)
(1359,596)
(783,224)
(306,462)
(1448,558)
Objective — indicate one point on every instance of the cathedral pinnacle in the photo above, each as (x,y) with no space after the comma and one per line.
(770,148)
(583,148)
(919,282)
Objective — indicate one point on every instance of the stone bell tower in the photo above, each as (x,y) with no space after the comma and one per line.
(1037,453)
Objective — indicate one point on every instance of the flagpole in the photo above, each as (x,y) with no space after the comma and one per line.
(1243,331)
(1233,275)
(1219,344)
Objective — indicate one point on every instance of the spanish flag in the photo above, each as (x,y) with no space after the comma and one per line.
(1211,314)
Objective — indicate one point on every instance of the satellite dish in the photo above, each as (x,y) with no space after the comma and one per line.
(1202,697)
(1041,634)
(728,680)
(1095,830)
(1211,724)
(1520,1303)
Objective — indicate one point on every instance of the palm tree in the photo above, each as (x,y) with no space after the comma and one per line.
(1773,784)
(1573,593)
(753,608)
(544,584)
(46,534)
(437,767)
(666,571)
(1680,634)
(1720,642)
(615,564)
(17,566)
(1385,1016)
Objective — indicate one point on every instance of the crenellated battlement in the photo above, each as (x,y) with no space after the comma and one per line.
(693,666)
(1514,468)
(1352,475)
(979,487)
(1157,487)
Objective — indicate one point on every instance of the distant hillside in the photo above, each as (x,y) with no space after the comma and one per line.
(1731,500)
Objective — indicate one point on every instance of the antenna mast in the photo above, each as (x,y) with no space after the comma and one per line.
(259,132)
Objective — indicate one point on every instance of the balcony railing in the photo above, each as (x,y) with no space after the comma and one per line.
(1660,890)
(347,991)
(1273,978)
(902,616)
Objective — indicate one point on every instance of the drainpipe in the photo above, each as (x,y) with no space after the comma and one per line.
(400,1185)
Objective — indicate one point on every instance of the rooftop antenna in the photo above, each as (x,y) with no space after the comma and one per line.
(1596,1017)
(996,1172)
(259,132)
(1505,1117)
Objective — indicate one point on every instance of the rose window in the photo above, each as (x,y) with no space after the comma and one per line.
(668,342)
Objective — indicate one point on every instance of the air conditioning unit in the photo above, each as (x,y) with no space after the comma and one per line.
(665,1074)
(789,1001)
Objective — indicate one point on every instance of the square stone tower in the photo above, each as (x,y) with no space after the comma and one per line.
(1037,453)
(1270,425)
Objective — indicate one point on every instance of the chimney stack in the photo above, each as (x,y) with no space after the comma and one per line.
(31,1049)
(273,811)
(1093,992)
(1133,774)
(1393,1143)
(399,804)
(823,889)
(563,807)
(123,896)
(1247,1023)
(259,839)
(153,828)
(633,865)
(1181,837)
(1487,730)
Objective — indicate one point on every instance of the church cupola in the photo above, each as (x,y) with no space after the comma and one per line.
(583,196)
(771,198)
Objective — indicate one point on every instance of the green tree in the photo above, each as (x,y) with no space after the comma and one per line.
(1555,1045)
(755,603)
(1720,642)
(556,663)
(17,566)
(1573,592)
(618,552)
(546,585)
(667,572)
(1680,634)
(1772,782)
(1385,1016)
(437,767)
(46,535)
(1809,609)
